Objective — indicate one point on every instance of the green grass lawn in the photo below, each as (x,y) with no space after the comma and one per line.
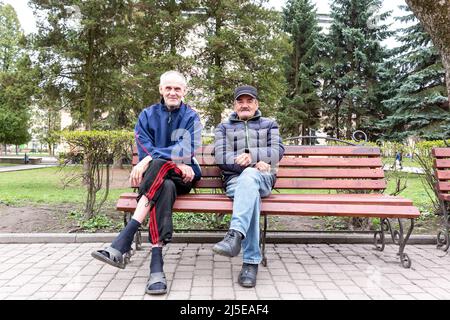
(406,162)
(415,189)
(9,164)
(44,186)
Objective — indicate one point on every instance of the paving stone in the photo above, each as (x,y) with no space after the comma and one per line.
(295,272)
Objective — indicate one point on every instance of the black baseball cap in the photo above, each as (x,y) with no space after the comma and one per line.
(249,90)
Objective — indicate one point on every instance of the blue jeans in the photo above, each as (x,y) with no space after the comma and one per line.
(247,189)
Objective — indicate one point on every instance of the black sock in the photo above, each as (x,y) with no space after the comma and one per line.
(125,238)
(156,264)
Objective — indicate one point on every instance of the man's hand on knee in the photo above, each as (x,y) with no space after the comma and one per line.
(138,171)
(186,172)
(262,166)
(244,160)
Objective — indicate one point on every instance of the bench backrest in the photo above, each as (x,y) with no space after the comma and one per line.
(310,167)
(442,170)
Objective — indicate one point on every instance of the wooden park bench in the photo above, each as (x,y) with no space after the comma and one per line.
(441,166)
(355,171)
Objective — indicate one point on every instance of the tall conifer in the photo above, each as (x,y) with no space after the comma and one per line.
(300,109)
(418,105)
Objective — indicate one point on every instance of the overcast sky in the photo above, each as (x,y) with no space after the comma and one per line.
(28,23)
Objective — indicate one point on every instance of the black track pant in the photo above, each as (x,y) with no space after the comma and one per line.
(161,184)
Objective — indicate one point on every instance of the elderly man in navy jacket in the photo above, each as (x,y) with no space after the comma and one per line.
(166,134)
(247,149)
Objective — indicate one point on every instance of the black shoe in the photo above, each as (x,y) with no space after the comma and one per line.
(247,276)
(230,246)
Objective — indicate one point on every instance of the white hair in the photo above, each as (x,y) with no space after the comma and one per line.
(171,74)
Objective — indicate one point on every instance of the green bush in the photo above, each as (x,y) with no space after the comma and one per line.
(97,150)
(424,157)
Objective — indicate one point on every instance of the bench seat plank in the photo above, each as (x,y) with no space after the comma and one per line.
(315,162)
(441,152)
(444,186)
(303,198)
(442,163)
(304,209)
(444,196)
(443,174)
(313,151)
(312,173)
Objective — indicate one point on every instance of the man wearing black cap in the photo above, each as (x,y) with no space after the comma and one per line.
(247,150)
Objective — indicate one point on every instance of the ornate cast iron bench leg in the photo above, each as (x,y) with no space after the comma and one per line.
(443,234)
(262,242)
(398,238)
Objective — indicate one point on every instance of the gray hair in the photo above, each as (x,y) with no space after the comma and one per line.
(172,73)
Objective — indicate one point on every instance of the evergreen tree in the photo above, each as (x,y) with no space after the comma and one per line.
(10,38)
(16,90)
(161,33)
(300,110)
(77,44)
(353,56)
(18,80)
(244,45)
(434,16)
(419,105)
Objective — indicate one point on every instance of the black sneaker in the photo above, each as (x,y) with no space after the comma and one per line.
(230,246)
(247,276)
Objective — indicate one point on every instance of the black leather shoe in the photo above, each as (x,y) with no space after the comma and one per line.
(247,277)
(230,246)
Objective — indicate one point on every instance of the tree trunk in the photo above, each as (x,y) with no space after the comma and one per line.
(118,163)
(435,17)
(337,118)
(446,63)
(88,102)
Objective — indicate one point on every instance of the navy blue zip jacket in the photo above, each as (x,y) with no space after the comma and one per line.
(258,136)
(169,135)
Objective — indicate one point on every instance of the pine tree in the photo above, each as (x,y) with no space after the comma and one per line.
(300,109)
(419,105)
(244,44)
(353,56)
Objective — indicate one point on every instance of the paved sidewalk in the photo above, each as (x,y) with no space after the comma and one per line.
(295,271)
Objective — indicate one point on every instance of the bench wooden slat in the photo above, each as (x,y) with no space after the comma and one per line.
(308,209)
(311,173)
(313,151)
(316,162)
(443,174)
(378,199)
(357,184)
(314,198)
(441,152)
(444,186)
(331,151)
(444,196)
(442,163)
(330,184)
